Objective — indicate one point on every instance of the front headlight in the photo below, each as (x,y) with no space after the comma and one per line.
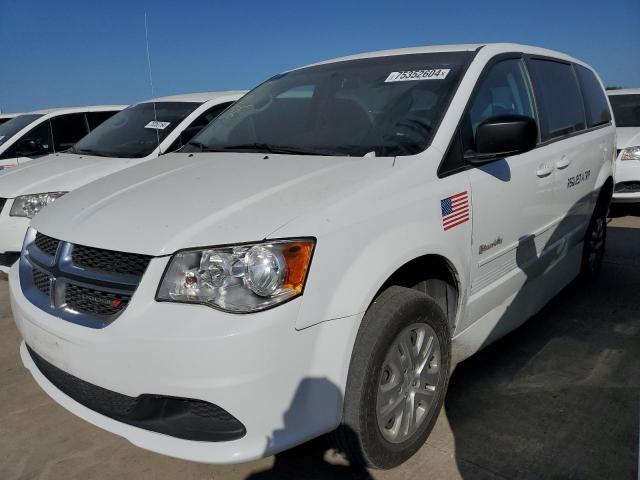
(239,279)
(631,153)
(29,205)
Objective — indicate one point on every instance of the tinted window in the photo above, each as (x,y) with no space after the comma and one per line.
(96,118)
(626,110)
(4,120)
(13,126)
(198,124)
(40,134)
(559,100)
(67,130)
(135,131)
(385,105)
(595,101)
(504,90)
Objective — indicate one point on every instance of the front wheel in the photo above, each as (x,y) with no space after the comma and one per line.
(397,380)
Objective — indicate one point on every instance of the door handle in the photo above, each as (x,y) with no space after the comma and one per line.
(544,170)
(563,163)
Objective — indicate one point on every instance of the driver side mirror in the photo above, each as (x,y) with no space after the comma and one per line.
(29,148)
(502,136)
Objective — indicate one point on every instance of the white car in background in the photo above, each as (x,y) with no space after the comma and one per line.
(138,133)
(626,110)
(35,134)
(5,117)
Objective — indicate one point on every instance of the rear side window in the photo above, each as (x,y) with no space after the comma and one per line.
(96,118)
(595,102)
(559,101)
(67,130)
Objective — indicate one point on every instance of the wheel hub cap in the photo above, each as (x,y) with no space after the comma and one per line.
(408,382)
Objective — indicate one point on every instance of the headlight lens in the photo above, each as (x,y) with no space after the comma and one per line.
(29,205)
(239,279)
(631,153)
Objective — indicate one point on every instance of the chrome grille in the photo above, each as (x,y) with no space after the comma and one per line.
(84,285)
(47,245)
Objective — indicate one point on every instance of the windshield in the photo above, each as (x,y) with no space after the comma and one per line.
(626,110)
(135,131)
(13,126)
(385,106)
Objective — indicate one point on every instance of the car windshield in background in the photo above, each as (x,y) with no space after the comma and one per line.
(385,106)
(135,131)
(13,126)
(626,110)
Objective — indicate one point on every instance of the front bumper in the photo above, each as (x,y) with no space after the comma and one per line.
(627,173)
(285,386)
(12,231)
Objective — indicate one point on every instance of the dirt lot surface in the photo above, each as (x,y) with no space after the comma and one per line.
(558,398)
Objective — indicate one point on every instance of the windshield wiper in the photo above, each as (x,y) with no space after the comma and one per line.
(203,147)
(268,148)
(87,151)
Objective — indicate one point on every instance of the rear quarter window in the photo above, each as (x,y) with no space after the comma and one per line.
(558,97)
(595,101)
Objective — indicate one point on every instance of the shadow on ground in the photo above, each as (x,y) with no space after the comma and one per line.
(558,398)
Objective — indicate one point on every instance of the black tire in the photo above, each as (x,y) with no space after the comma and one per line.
(595,242)
(360,438)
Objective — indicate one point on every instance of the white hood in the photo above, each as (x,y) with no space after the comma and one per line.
(181,201)
(628,137)
(60,172)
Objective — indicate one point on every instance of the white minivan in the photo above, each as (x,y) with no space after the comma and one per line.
(138,133)
(322,253)
(32,135)
(625,104)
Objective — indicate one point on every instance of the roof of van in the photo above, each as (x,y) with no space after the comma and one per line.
(197,97)
(90,108)
(624,91)
(496,47)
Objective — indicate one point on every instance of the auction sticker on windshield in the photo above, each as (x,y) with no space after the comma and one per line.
(411,75)
(157,125)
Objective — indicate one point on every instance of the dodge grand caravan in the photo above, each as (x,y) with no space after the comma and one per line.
(626,111)
(35,134)
(320,255)
(137,134)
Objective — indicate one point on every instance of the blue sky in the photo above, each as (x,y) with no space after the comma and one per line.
(89,52)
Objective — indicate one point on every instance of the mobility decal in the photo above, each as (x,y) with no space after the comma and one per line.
(485,247)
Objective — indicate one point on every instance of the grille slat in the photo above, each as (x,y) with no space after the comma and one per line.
(47,245)
(110,261)
(627,187)
(95,302)
(42,281)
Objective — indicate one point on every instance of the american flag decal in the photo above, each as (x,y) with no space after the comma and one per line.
(455,210)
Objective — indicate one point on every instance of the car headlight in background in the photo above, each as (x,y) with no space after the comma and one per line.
(239,279)
(29,205)
(631,153)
